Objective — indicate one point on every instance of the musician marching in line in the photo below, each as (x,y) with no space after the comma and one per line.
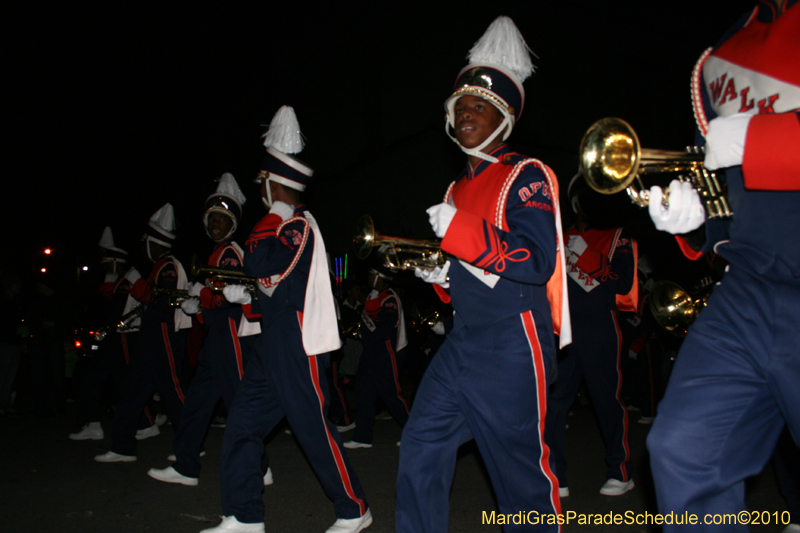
(113,358)
(734,383)
(225,353)
(285,251)
(500,224)
(158,363)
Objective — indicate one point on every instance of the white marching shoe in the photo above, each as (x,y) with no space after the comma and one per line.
(231,525)
(268,477)
(352,525)
(352,445)
(170,475)
(146,433)
(91,431)
(615,487)
(111,457)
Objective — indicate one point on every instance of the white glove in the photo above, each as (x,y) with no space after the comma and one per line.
(438,275)
(577,245)
(282,209)
(438,328)
(632,355)
(237,294)
(725,141)
(440,216)
(132,275)
(685,212)
(110,277)
(190,306)
(195,288)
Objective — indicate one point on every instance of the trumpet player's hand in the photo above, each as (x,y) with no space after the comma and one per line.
(195,288)
(438,328)
(438,275)
(282,209)
(237,294)
(190,306)
(440,216)
(685,210)
(725,141)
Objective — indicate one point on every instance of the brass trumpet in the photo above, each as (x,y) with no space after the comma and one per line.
(401,254)
(217,279)
(174,296)
(612,160)
(124,323)
(673,308)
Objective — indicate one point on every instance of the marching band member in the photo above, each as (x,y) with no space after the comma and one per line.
(500,225)
(114,355)
(221,362)
(157,364)
(601,265)
(286,377)
(734,383)
(383,333)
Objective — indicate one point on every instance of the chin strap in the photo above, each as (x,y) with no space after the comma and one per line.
(268,200)
(477,150)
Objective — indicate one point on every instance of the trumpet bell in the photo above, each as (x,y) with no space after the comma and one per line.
(672,307)
(364,239)
(610,155)
(400,254)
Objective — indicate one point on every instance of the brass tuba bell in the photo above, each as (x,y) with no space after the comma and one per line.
(401,254)
(612,160)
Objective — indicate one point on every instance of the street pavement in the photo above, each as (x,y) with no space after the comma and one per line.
(49,483)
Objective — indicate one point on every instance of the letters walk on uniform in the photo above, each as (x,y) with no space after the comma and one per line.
(500,225)
(735,381)
(286,377)
(158,363)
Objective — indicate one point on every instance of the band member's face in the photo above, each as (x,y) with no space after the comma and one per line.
(219,226)
(475,120)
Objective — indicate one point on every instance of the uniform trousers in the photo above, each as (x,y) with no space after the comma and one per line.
(220,366)
(339,410)
(379,377)
(733,388)
(488,383)
(156,367)
(594,355)
(282,380)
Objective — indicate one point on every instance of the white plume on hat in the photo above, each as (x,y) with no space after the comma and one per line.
(503,44)
(107,243)
(284,132)
(163,222)
(107,240)
(229,187)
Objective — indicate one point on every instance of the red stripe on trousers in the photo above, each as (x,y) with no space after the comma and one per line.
(236,346)
(171,360)
(541,400)
(335,450)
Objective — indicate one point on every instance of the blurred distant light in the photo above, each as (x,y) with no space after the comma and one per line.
(47,251)
(85,268)
(77,344)
(43,270)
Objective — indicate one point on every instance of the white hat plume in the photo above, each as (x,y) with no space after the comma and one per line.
(284,132)
(503,44)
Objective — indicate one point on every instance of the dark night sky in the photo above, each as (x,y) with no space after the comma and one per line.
(115,110)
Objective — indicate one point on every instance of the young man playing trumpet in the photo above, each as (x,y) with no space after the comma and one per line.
(221,361)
